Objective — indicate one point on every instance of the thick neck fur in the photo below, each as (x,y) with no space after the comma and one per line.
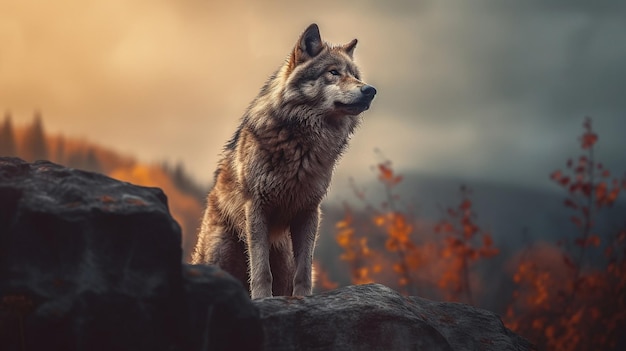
(296,145)
(281,109)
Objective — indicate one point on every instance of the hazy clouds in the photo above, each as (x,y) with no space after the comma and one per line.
(482,89)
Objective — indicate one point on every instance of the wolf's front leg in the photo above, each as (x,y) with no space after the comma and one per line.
(258,252)
(303,236)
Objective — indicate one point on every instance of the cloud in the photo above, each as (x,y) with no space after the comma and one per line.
(519,78)
(485,89)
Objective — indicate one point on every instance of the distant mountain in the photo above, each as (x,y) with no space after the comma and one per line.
(515,216)
(506,210)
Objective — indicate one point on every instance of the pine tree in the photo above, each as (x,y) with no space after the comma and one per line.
(75,160)
(91,161)
(7,137)
(59,154)
(35,147)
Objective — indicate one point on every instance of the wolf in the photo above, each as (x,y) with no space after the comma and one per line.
(263,212)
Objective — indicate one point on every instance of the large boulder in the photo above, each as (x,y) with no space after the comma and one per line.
(219,314)
(91,263)
(374,317)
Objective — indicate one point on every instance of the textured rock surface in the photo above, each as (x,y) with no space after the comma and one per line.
(374,317)
(219,313)
(91,263)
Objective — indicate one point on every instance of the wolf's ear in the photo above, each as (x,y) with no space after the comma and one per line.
(309,45)
(310,42)
(349,48)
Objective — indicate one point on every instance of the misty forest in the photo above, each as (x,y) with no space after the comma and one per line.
(552,264)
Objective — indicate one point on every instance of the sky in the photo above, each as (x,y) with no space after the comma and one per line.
(482,90)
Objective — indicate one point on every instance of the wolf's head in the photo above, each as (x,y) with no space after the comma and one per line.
(325,77)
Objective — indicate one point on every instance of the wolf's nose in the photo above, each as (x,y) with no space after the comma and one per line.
(368,90)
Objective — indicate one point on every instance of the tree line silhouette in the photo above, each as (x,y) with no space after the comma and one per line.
(32,143)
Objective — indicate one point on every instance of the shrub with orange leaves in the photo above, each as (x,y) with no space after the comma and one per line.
(356,251)
(399,241)
(560,313)
(420,262)
(464,243)
(398,229)
(561,300)
(583,306)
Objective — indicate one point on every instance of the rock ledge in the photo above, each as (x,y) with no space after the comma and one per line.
(91,263)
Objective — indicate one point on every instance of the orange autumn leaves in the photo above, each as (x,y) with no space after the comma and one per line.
(561,310)
(399,241)
(356,251)
(33,142)
(386,174)
(465,243)
(589,138)
(444,262)
(563,296)
(573,303)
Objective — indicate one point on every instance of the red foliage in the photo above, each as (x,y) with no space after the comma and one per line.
(589,138)
(443,263)
(560,301)
(464,242)
(356,250)
(577,306)
(386,174)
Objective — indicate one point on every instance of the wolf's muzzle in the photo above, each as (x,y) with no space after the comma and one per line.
(368,90)
(361,103)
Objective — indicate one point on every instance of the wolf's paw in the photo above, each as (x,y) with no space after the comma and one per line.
(261,293)
(302,291)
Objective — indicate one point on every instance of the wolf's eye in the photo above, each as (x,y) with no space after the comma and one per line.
(334,72)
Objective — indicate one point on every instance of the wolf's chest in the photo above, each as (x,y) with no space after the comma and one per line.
(295,178)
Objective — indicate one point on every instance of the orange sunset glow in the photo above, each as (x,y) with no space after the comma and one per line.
(490,169)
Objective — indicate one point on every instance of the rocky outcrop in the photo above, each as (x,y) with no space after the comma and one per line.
(374,317)
(91,263)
